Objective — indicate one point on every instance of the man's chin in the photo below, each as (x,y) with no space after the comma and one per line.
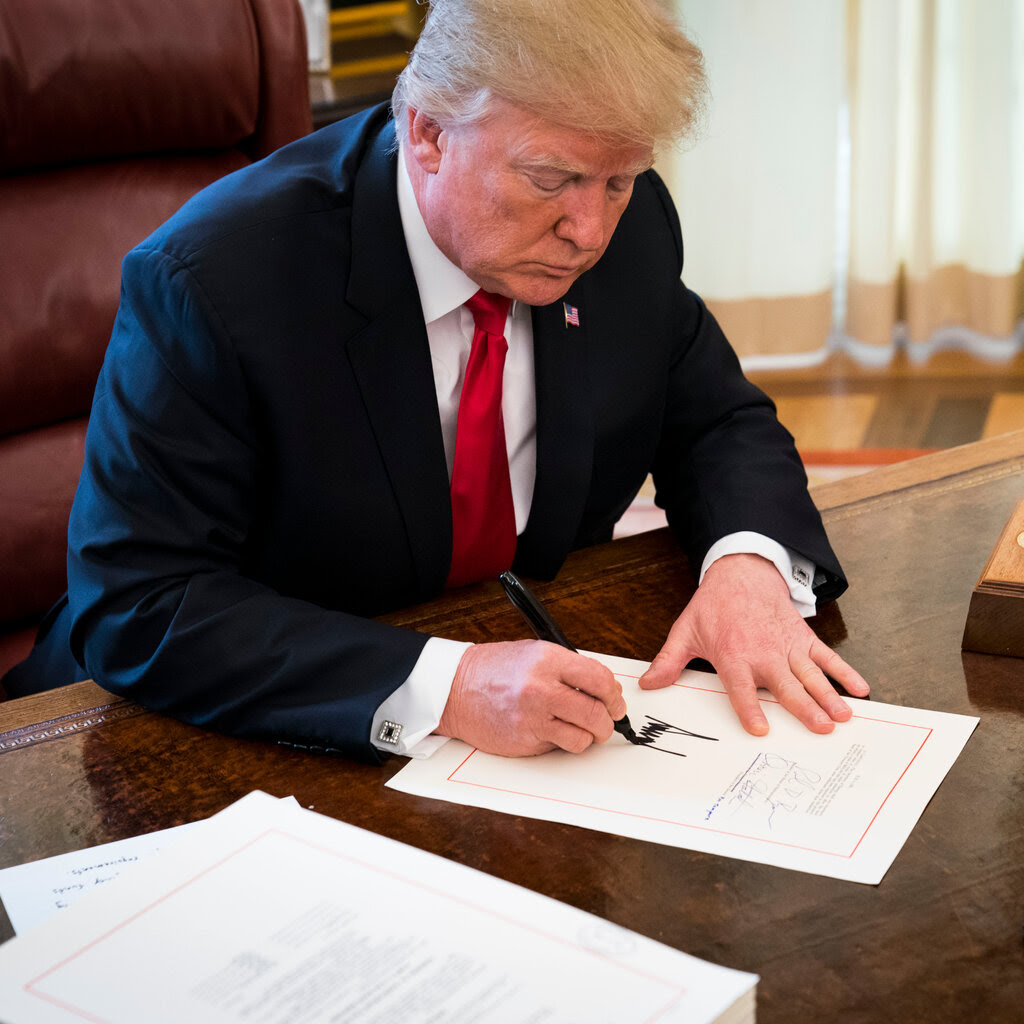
(539,289)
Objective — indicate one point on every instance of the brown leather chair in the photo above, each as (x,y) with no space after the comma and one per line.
(112,113)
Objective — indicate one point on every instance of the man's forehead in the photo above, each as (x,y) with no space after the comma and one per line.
(612,162)
(572,152)
(531,141)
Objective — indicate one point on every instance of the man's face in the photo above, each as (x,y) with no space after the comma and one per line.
(522,206)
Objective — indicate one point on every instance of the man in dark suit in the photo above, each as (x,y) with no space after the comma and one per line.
(272,439)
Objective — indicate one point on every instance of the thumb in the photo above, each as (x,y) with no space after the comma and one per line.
(677,651)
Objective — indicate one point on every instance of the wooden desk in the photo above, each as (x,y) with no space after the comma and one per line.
(939,940)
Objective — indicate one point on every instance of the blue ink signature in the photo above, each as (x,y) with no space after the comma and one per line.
(770,785)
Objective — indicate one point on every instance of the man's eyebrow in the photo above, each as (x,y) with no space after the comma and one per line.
(555,163)
(547,163)
(640,167)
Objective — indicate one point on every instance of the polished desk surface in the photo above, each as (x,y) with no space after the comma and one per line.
(940,939)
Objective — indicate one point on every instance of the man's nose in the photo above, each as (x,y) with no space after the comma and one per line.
(584,219)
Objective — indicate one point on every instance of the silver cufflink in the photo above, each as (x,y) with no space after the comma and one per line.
(389,732)
(801,576)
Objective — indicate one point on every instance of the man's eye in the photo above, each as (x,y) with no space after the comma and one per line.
(548,184)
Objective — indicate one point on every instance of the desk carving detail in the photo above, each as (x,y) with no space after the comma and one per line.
(59,728)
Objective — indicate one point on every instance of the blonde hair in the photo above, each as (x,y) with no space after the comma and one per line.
(621,70)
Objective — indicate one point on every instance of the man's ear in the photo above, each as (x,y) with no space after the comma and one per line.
(425,143)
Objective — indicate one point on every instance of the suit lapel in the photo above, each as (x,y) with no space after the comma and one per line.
(565,435)
(390,358)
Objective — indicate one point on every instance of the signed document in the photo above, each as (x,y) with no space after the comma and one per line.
(268,913)
(839,805)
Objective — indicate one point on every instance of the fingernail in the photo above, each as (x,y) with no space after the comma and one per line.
(759,727)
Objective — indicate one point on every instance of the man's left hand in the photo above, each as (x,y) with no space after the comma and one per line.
(743,621)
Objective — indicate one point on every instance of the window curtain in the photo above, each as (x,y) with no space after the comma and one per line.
(859,180)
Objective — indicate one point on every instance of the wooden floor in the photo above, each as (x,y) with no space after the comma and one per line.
(846,416)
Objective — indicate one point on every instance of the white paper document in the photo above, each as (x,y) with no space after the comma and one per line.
(840,805)
(271,914)
(35,891)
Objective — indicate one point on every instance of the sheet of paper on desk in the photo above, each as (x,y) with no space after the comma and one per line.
(271,914)
(839,805)
(33,892)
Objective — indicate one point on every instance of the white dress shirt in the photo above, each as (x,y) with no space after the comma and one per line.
(418,703)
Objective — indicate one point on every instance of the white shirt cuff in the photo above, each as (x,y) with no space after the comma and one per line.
(796,570)
(404,723)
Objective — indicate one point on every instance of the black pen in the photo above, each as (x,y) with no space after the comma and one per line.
(547,629)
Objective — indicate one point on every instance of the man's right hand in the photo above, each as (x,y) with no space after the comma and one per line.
(530,696)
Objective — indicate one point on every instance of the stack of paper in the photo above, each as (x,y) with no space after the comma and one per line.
(268,913)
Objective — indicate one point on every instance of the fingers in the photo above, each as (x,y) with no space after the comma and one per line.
(801,686)
(529,696)
(677,651)
(832,665)
(526,697)
(739,684)
(799,689)
(824,705)
(562,733)
(808,696)
(576,704)
(592,679)
(742,620)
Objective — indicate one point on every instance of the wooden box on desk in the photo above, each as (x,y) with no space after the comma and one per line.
(995,619)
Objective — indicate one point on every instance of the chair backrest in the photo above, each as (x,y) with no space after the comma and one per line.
(112,114)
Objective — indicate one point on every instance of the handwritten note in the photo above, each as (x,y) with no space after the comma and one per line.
(33,892)
(839,805)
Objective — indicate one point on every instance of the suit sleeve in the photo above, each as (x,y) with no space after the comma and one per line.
(163,610)
(725,464)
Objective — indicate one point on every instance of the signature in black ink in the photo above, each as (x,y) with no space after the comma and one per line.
(655,729)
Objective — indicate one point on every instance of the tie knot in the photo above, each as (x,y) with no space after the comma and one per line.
(489,312)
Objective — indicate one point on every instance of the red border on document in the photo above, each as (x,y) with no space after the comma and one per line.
(703,828)
(676,992)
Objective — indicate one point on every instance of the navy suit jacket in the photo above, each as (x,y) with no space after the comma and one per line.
(264,464)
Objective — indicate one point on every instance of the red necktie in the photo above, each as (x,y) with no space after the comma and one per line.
(483,519)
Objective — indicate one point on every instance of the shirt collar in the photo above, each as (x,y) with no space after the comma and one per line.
(441,284)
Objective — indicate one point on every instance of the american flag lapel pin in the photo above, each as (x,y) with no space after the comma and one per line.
(572,315)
